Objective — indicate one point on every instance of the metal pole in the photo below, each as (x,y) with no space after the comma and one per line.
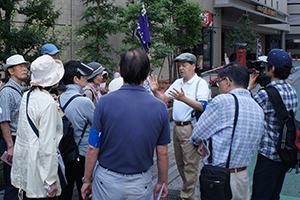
(283,40)
(212,43)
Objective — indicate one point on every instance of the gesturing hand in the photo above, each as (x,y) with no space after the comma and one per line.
(153,83)
(175,94)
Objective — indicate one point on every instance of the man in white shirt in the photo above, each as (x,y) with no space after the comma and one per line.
(189,93)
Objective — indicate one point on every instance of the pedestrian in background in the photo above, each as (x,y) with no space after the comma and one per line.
(10,100)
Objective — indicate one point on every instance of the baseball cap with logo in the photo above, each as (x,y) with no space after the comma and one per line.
(15,60)
(188,57)
(50,49)
(278,58)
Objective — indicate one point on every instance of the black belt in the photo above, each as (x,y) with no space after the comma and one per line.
(182,123)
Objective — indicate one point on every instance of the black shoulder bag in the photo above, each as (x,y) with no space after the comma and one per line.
(215,180)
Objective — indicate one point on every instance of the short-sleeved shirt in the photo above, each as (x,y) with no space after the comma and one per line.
(133,122)
(267,146)
(10,101)
(182,111)
(217,123)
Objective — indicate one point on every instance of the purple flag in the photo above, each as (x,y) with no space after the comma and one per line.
(142,30)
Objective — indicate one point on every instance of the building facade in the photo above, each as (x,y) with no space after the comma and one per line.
(276,21)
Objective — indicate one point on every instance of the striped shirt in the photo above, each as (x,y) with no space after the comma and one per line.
(217,123)
(267,147)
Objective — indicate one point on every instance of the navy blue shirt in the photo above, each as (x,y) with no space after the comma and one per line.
(132,123)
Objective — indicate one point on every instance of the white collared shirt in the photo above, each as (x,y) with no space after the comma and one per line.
(182,111)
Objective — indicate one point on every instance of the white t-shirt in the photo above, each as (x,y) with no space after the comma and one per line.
(181,111)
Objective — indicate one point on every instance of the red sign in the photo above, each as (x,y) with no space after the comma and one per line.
(241,56)
(207,18)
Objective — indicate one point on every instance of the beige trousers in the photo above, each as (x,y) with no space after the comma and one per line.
(187,160)
(239,183)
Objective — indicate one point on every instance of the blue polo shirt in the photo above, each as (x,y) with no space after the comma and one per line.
(131,123)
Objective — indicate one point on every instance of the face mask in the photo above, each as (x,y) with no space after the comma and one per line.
(102,86)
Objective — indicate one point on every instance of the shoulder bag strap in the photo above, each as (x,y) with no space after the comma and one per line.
(68,102)
(12,88)
(277,103)
(197,89)
(83,131)
(63,109)
(234,126)
(36,131)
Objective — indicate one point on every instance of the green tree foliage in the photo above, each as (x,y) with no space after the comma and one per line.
(36,29)
(100,21)
(172,24)
(243,32)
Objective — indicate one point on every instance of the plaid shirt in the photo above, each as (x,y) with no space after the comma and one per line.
(267,146)
(217,123)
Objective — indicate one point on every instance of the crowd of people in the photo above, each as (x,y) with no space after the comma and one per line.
(117,134)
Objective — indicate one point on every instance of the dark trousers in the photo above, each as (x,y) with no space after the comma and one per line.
(268,179)
(74,173)
(11,193)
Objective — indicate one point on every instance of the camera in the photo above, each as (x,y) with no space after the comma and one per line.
(260,66)
(262,79)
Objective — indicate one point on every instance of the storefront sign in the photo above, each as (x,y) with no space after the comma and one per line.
(267,11)
(207,18)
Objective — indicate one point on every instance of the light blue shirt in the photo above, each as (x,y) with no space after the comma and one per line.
(78,112)
(217,123)
(10,101)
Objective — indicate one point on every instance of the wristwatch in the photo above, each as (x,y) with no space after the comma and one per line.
(87,181)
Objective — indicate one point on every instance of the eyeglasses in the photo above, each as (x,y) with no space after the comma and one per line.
(223,79)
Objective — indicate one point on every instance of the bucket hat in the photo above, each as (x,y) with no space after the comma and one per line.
(278,58)
(97,69)
(46,71)
(50,49)
(15,60)
(188,57)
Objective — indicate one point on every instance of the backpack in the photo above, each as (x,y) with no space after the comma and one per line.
(67,146)
(288,144)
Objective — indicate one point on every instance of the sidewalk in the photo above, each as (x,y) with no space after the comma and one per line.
(290,190)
